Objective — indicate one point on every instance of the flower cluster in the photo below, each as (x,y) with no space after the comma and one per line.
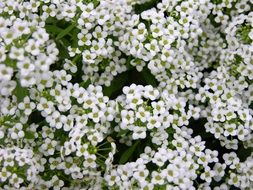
(125,94)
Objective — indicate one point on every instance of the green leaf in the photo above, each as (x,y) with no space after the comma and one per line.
(145,6)
(10,62)
(243,33)
(128,153)
(244,153)
(20,92)
(85,84)
(66,31)
(149,78)
(53,29)
(120,107)
(29,135)
(51,20)
(74,38)
(62,45)
(160,187)
(65,43)
(122,133)
(117,83)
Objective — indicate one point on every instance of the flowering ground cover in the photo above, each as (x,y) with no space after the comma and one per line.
(126,94)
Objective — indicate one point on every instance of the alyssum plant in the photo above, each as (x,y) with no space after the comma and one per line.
(125,94)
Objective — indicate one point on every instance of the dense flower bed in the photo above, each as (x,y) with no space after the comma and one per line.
(125,94)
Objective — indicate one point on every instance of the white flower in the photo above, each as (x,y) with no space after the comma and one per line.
(49,146)
(127,117)
(89,57)
(17,131)
(140,32)
(9,35)
(171,173)
(234,180)
(230,159)
(26,105)
(16,181)
(82,150)
(84,39)
(90,161)
(47,132)
(140,174)
(160,158)
(56,183)
(139,133)
(219,170)
(95,115)
(1,134)
(230,129)
(95,138)
(153,122)
(150,92)
(45,106)
(159,107)
(152,47)
(157,178)
(156,30)
(112,178)
(55,120)
(54,163)
(32,47)
(69,147)
(68,122)
(102,17)
(207,175)
(244,115)
(6,73)
(68,10)
(142,114)
(17,53)
(4,174)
